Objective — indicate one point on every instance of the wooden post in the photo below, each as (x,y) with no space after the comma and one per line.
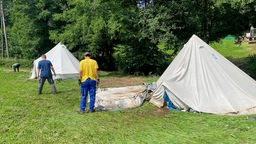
(2,38)
(3,28)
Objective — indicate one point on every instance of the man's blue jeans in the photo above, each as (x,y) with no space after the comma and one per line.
(88,86)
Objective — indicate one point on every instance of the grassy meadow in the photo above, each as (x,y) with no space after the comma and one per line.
(30,118)
(230,50)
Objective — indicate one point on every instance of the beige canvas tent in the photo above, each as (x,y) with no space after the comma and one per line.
(201,79)
(64,63)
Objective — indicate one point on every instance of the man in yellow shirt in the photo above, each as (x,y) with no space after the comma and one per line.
(88,77)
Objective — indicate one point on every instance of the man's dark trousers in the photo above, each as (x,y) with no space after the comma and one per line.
(50,81)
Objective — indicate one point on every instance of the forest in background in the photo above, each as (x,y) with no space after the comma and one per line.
(133,36)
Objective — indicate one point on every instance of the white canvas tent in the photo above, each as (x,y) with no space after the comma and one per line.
(64,63)
(201,79)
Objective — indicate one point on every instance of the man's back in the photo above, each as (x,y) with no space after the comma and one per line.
(89,69)
(45,68)
(16,65)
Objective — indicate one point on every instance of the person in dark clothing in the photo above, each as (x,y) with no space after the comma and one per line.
(16,67)
(44,69)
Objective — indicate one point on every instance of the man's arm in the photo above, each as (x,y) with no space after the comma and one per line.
(79,77)
(97,72)
(38,72)
(80,74)
(97,75)
(98,78)
(53,70)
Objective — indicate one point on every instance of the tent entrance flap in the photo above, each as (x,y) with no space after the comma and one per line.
(169,103)
(178,103)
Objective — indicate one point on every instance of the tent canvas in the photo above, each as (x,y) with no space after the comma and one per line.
(64,63)
(120,98)
(201,79)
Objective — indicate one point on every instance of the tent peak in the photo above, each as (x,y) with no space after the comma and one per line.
(195,37)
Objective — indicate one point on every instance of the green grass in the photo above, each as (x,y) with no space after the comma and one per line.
(228,49)
(30,118)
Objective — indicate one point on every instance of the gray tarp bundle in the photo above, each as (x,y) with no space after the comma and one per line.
(202,79)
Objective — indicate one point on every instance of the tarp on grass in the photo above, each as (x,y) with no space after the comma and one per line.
(120,98)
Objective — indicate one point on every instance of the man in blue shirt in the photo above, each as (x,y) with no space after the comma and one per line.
(44,72)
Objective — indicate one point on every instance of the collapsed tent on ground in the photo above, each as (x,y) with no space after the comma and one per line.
(64,63)
(201,79)
(120,98)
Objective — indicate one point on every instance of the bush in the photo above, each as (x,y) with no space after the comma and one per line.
(250,67)
(23,62)
(140,60)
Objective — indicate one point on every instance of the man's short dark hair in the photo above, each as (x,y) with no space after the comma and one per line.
(87,54)
(44,56)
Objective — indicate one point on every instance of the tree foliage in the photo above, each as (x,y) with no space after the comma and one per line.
(93,26)
(129,35)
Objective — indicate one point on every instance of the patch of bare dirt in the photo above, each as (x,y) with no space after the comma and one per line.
(8,70)
(120,81)
(159,112)
(254,48)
